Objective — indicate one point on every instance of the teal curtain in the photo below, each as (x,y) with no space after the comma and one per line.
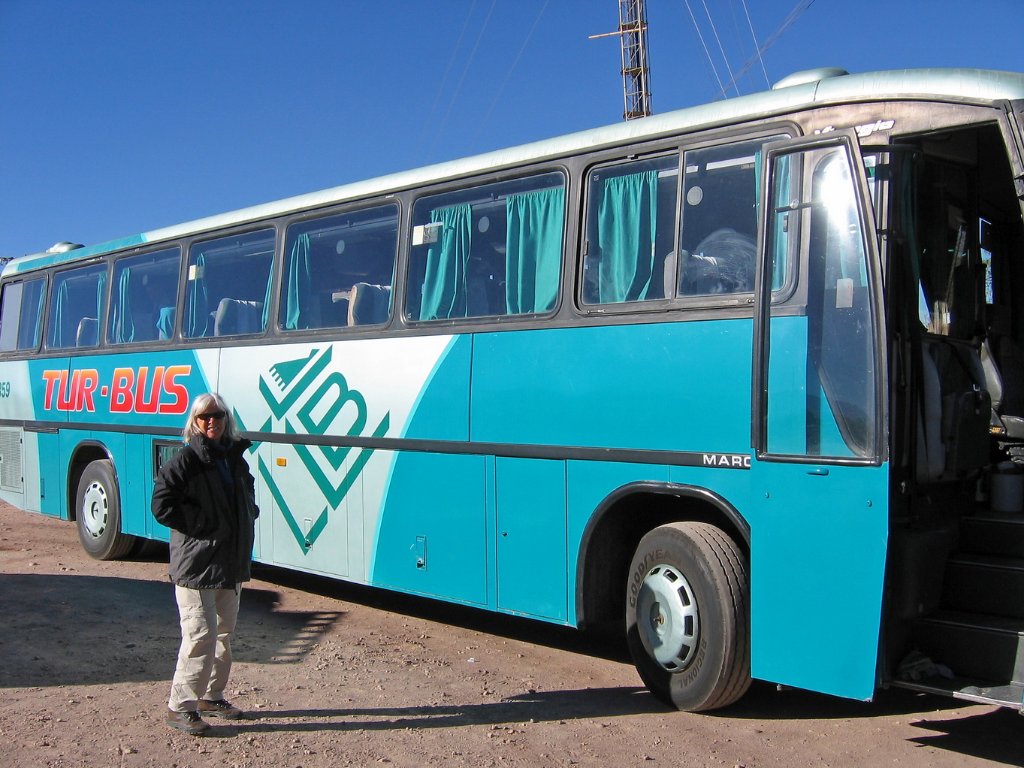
(298,290)
(197,314)
(32,314)
(165,323)
(627,220)
(123,324)
(265,317)
(101,294)
(444,282)
(60,308)
(533,250)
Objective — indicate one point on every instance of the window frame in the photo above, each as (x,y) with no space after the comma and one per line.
(55,278)
(115,263)
(270,225)
(466,186)
(309,217)
(767,134)
(22,281)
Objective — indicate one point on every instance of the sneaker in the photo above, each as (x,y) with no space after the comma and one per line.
(189,722)
(219,708)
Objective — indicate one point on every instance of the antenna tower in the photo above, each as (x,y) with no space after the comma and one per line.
(636,74)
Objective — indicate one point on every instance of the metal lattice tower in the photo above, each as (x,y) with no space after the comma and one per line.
(636,75)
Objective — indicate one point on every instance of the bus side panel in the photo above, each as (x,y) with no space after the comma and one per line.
(431,515)
(433,532)
(530,560)
(818,545)
(52,475)
(136,484)
(321,505)
(669,386)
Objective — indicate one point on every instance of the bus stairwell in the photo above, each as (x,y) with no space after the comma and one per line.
(955,598)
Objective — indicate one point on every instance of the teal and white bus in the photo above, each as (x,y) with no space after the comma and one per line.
(745,381)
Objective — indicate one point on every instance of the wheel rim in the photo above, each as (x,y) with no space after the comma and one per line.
(94,510)
(668,618)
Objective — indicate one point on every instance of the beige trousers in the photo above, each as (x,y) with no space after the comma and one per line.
(208,619)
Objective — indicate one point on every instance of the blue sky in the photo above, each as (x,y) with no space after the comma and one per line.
(120,116)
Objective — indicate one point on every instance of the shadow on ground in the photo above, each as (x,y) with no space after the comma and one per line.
(85,630)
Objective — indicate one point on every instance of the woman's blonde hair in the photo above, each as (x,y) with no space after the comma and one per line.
(210,401)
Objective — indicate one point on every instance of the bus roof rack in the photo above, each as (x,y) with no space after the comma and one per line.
(805,76)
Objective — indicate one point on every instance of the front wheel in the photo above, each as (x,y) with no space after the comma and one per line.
(687,619)
(98,513)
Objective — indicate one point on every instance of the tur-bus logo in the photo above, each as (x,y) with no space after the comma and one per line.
(306,397)
(129,390)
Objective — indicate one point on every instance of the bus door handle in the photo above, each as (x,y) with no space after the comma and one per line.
(819,471)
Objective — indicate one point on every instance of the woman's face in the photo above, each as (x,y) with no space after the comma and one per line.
(211,423)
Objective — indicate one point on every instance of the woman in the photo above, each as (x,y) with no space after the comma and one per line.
(206,496)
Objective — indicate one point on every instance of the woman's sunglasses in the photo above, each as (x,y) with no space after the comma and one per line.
(218,415)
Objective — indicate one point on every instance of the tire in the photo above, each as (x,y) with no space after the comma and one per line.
(687,616)
(98,513)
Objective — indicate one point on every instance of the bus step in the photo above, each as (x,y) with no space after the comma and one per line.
(980,692)
(992,535)
(989,584)
(973,645)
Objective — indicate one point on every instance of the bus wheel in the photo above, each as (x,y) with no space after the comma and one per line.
(98,513)
(686,616)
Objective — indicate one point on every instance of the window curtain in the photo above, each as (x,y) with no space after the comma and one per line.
(123,325)
(31,321)
(444,281)
(101,292)
(60,309)
(627,220)
(533,250)
(298,291)
(197,316)
(265,317)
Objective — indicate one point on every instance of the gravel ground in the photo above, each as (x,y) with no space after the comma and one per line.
(335,675)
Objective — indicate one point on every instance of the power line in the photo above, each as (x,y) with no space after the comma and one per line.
(721,48)
(707,53)
(462,79)
(508,74)
(750,24)
(795,14)
(444,79)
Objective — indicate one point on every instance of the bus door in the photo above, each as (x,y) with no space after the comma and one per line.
(819,515)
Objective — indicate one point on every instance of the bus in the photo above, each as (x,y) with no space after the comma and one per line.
(743,381)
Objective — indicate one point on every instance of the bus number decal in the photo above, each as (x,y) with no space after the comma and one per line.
(5,389)
(130,390)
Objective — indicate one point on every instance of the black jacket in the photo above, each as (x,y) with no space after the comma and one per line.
(212,529)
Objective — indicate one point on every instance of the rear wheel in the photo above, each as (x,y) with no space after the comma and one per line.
(98,513)
(687,617)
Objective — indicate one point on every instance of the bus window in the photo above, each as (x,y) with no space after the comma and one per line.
(487,251)
(338,270)
(719,219)
(631,232)
(144,295)
(76,307)
(825,405)
(21,317)
(227,287)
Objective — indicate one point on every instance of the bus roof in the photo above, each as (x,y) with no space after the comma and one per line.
(813,88)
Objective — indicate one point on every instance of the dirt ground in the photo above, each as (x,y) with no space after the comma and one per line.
(336,675)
